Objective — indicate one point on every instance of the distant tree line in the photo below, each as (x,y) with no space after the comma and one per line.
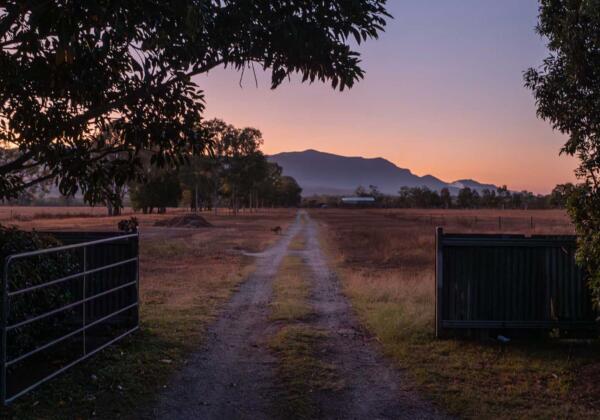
(465,198)
(235,174)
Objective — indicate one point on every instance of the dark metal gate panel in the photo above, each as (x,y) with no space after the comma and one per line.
(100,306)
(510,282)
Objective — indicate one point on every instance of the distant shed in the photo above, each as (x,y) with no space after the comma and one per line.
(358,201)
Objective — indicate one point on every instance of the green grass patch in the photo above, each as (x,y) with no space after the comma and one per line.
(301,372)
(297,345)
(290,291)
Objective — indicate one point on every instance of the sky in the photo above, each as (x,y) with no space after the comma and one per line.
(443,95)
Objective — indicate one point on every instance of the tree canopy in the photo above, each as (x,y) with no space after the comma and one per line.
(566,88)
(72,72)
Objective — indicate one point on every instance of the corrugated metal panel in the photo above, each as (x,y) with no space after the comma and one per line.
(510,281)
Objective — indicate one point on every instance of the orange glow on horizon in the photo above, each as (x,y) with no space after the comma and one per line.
(448,101)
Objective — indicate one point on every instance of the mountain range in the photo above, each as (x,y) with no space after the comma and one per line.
(327,173)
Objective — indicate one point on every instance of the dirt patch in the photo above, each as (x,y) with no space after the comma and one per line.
(585,388)
(187,220)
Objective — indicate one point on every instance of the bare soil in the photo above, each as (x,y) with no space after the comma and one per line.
(233,374)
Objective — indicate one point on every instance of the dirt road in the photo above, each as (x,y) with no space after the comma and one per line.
(233,375)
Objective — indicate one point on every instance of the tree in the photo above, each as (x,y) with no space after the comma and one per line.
(361,191)
(467,198)
(560,195)
(503,196)
(195,177)
(71,70)
(288,192)
(446,198)
(239,159)
(267,187)
(489,198)
(404,197)
(567,92)
(159,191)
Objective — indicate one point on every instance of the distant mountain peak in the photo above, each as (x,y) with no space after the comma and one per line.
(327,173)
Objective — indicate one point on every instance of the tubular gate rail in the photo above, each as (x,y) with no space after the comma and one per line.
(93,306)
(510,282)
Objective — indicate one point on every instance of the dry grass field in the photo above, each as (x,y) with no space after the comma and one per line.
(385,259)
(186,275)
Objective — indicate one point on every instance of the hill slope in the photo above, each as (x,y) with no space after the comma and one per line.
(326,173)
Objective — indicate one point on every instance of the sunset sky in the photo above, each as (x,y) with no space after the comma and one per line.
(443,95)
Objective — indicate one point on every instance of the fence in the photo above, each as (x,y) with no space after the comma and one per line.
(69,315)
(510,282)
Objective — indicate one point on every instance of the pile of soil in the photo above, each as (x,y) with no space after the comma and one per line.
(188,220)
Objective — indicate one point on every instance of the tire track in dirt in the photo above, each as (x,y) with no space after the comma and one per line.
(373,389)
(232,375)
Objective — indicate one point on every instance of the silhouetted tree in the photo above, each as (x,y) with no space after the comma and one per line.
(467,198)
(488,198)
(567,93)
(560,195)
(446,198)
(70,70)
(159,191)
(288,192)
(503,196)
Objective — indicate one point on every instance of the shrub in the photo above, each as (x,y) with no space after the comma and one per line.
(584,208)
(31,271)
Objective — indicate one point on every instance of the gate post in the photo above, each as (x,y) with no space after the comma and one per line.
(439,280)
(3,384)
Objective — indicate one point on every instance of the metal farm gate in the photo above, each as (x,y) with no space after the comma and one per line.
(52,324)
(510,282)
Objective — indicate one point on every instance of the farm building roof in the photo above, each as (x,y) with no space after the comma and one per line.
(358,199)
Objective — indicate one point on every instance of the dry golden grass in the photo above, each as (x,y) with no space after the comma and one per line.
(24,213)
(385,259)
(185,276)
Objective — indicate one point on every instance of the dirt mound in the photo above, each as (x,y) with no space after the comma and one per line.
(188,220)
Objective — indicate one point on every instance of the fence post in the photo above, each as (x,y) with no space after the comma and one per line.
(4,324)
(136,247)
(439,280)
(84,298)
